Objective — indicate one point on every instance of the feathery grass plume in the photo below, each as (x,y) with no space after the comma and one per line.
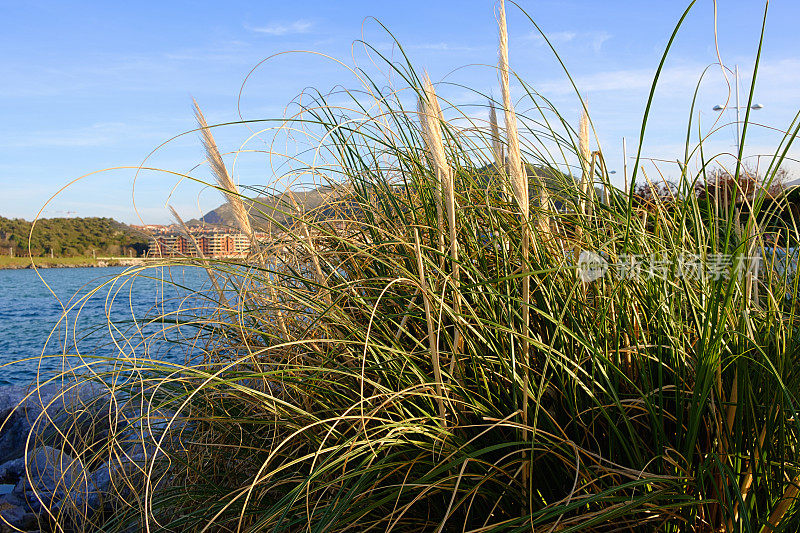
(224,181)
(585,155)
(445,179)
(431,115)
(231,192)
(517,174)
(424,111)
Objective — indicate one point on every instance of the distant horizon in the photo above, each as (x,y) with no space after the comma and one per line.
(100,85)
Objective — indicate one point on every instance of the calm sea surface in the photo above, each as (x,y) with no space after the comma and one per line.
(33,321)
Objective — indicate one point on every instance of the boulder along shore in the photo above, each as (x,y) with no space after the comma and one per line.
(62,446)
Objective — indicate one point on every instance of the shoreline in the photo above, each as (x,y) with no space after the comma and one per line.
(24,263)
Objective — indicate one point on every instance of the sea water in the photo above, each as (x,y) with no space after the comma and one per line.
(90,311)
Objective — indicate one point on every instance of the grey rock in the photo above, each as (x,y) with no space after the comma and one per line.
(26,411)
(10,499)
(16,417)
(51,477)
(57,484)
(15,517)
(116,438)
(99,485)
(12,471)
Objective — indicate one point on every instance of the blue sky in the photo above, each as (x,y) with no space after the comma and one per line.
(92,85)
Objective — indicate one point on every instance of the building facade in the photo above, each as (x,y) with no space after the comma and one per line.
(216,244)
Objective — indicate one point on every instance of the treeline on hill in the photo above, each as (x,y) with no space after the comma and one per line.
(720,186)
(721,190)
(70,237)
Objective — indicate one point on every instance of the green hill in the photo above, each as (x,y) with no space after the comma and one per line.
(278,207)
(70,237)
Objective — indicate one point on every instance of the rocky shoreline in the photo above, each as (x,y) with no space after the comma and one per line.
(92,264)
(44,479)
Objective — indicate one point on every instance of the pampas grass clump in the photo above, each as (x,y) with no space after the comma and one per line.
(423,352)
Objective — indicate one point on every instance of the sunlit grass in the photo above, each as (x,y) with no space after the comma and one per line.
(7,261)
(424,355)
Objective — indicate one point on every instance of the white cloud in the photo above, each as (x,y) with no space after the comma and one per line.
(778,81)
(558,37)
(278,29)
(598,38)
(430,47)
(444,47)
(624,80)
(595,39)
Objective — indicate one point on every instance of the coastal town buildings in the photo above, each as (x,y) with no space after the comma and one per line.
(210,243)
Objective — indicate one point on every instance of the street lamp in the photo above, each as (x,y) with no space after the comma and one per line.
(751,276)
(754,107)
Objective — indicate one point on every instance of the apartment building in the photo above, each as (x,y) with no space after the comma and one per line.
(210,244)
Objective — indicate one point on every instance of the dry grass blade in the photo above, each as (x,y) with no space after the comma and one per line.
(497,144)
(432,337)
(519,183)
(199,251)
(787,500)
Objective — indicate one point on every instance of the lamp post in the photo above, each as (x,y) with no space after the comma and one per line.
(605,189)
(751,276)
(754,107)
(625,166)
